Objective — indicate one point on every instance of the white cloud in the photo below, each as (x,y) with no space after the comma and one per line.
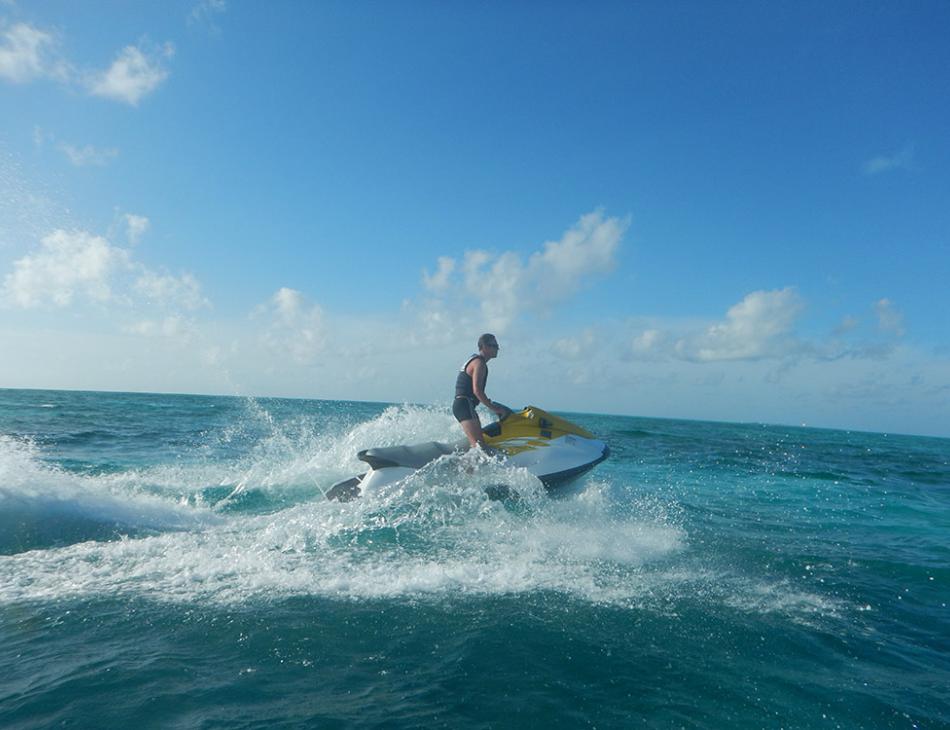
(847,325)
(288,303)
(650,343)
(73,267)
(889,319)
(172,327)
(136,227)
(88,155)
(439,281)
(68,264)
(171,291)
(206,12)
(576,348)
(903,159)
(133,75)
(505,286)
(500,285)
(587,248)
(297,328)
(760,326)
(28,53)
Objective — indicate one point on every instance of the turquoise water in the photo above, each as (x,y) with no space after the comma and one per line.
(169,561)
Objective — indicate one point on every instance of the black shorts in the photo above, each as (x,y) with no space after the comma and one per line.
(463,409)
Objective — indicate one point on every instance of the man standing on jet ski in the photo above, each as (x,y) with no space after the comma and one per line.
(470,390)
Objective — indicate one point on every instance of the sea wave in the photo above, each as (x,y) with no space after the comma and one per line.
(258,528)
(43,505)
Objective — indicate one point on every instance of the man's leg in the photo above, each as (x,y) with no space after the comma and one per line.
(473,429)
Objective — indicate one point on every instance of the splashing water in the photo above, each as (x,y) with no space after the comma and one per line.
(701,561)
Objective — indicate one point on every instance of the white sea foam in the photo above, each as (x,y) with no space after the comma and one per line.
(301,456)
(782,598)
(42,504)
(324,550)
(435,536)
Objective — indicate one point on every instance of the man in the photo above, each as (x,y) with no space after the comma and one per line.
(470,390)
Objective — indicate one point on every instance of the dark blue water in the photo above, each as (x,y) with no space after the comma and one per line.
(170,561)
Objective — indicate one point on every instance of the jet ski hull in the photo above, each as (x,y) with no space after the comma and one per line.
(550,447)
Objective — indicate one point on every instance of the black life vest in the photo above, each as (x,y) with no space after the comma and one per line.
(463,383)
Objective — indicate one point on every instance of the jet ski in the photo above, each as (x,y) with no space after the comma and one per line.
(548,446)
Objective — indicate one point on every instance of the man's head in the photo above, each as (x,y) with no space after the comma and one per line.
(487,344)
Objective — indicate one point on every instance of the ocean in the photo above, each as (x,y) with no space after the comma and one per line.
(170,561)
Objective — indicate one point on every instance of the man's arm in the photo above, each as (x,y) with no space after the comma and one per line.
(478,386)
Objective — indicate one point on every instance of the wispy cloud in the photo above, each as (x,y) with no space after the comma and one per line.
(295,327)
(80,156)
(206,13)
(135,73)
(651,344)
(439,281)
(28,53)
(889,319)
(577,347)
(901,160)
(170,327)
(167,290)
(136,227)
(40,137)
(848,324)
(88,155)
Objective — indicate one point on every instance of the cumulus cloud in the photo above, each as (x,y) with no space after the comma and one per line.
(134,74)
(76,266)
(903,159)
(587,248)
(505,285)
(288,303)
(28,53)
(889,319)
(68,264)
(760,326)
(88,155)
(297,328)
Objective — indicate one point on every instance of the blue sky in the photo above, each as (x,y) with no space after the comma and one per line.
(726,211)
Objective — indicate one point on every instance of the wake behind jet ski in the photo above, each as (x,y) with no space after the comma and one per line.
(550,447)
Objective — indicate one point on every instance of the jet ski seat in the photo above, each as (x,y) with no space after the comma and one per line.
(414,456)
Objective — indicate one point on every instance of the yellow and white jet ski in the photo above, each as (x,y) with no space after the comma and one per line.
(552,448)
